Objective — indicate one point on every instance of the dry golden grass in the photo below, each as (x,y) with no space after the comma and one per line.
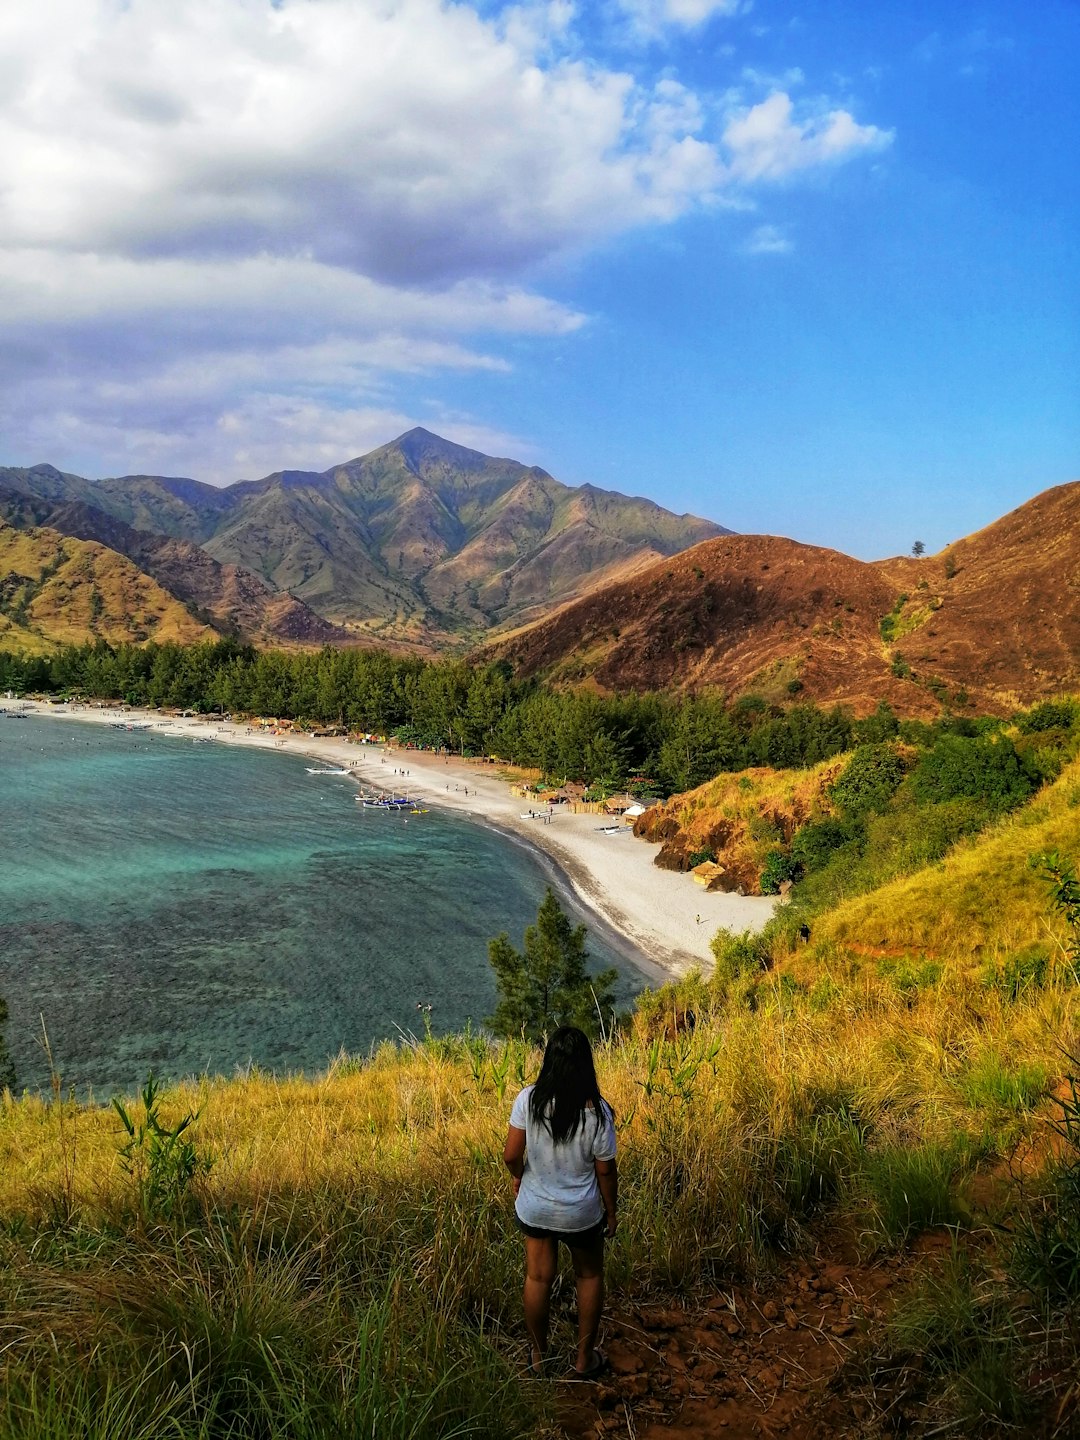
(981,900)
(75,590)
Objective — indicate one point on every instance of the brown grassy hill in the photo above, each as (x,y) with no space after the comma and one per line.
(231,599)
(58,591)
(993,622)
(998,613)
(742,612)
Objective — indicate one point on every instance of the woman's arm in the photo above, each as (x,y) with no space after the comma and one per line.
(514,1154)
(607,1176)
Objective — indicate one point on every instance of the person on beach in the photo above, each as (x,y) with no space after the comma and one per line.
(560,1151)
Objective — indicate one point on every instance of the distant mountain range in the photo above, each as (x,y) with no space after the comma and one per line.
(991,623)
(427,544)
(421,541)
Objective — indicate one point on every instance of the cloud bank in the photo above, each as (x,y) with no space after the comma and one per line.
(228,225)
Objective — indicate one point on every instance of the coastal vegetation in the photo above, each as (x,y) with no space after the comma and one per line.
(654,743)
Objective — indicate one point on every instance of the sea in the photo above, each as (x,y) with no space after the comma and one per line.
(202,908)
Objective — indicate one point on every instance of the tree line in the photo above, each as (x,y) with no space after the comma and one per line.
(650,742)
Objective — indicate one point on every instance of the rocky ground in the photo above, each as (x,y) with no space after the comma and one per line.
(744,1362)
(805,1356)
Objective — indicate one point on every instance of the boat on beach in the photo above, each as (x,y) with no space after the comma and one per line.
(313,770)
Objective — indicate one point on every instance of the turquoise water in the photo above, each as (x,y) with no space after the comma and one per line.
(196,908)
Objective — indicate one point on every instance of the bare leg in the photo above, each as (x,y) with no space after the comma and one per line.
(541,1263)
(589,1279)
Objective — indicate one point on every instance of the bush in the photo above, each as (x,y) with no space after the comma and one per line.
(1050,715)
(814,844)
(778,868)
(739,957)
(977,769)
(700,857)
(909,837)
(868,781)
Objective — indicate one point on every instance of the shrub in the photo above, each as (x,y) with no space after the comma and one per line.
(739,957)
(778,868)
(1050,715)
(911,836)
(700,857)
(814,844)
(977,768)
(868,781)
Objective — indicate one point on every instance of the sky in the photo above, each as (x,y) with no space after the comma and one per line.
(801,268)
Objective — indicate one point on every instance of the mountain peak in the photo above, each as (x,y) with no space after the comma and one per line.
(419,445)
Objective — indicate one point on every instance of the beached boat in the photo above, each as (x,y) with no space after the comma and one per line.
(311,770)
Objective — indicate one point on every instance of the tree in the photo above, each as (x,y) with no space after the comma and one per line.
(7,1070)
(546,984)
(918,549)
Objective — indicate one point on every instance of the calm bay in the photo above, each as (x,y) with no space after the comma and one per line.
(199,908)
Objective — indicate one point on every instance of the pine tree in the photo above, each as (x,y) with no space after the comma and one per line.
(7,1070)
(546,984)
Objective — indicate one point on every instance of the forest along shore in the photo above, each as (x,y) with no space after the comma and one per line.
(663,915)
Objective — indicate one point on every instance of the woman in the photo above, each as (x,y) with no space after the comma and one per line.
(560,1149)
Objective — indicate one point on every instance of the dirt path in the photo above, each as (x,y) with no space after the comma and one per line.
(745,1362)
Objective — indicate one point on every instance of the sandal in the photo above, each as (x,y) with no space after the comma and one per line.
(598,1365)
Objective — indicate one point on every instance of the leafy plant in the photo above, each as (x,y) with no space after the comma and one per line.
(868,781)
(1046,1249)
(778,868)
(161,1160)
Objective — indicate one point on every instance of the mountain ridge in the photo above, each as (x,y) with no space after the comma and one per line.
(420,540)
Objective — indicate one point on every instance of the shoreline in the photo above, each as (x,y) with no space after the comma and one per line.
(660,920)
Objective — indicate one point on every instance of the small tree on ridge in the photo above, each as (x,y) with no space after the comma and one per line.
(546,984)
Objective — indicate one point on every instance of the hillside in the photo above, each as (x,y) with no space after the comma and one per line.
(420,540)
(56,591)
(769,615)
(227,597)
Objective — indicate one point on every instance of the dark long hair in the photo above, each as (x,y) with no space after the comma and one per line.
(565,1085)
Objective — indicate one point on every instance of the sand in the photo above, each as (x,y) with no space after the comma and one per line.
(665,919)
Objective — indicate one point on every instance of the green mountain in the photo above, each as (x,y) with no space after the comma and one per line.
(420,540)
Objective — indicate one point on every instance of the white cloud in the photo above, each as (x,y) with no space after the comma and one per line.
(220,212)
(766,142)
(407,140)
(768,240)
(650,18)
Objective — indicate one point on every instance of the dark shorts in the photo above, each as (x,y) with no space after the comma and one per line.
(576,1239)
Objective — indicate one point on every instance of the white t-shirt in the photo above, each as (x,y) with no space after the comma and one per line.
(559,1190)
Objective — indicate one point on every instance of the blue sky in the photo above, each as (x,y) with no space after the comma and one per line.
(808,269)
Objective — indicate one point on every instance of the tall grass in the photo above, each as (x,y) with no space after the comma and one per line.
(346,1263)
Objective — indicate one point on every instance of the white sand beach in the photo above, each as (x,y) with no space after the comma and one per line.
(665,917)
